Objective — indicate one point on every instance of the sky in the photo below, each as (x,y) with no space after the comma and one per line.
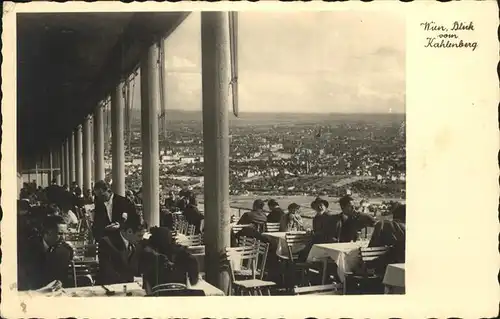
(314,62)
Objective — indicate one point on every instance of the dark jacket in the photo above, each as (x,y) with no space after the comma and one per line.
(255,217)
(346,228)
(275,215)
(38,267)
(391,234)
(117,264)
(324,228)
(193,217)
(101,219)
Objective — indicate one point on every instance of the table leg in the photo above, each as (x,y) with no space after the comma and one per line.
(325,266)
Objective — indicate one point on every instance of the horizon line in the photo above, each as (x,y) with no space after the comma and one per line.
(310,112)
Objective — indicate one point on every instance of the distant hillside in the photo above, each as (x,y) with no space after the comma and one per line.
(180,115)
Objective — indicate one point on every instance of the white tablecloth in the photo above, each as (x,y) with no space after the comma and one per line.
(394,278)
(345,255)
(278,240)
(135,288)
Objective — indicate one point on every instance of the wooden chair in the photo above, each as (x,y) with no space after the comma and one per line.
(246,241)
(252,286)
(76,237)
(192,240)
(294,266)
(332,289)
(365,280)
(236,228)
(272,227)
(83,271)
(191,230)
(86,252)
(198,250)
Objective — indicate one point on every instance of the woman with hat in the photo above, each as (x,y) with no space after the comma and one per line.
(292,221)
(321,222)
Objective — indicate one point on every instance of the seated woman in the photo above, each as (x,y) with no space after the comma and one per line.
(292,221)
(164,262)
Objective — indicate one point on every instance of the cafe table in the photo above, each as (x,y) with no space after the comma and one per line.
(394,279)
(346,256)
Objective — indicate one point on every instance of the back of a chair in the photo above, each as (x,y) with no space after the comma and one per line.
(272,227)
(246,241)
(241,255)
(175,289)
(236,228)
(262,251)
(86,251)
(369,254)
(192,240)
(191,230)
(198,250)
(294,239)
(83,270)
(76,237)
(164,289)
(332,289)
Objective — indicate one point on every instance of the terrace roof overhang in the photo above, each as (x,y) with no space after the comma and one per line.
(68,62)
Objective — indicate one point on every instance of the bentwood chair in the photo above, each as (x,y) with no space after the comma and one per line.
(174,290)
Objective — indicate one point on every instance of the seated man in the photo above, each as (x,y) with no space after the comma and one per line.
(391,233)
(256,217)
(276,213)
(119,253)
(350,221)
(45,258)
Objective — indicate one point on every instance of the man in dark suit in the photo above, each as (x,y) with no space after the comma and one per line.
(46,258)
(256,217)
(110,210)
(119,252)
(276,213)
(350,221)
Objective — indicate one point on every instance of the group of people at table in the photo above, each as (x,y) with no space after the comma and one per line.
(125,253)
